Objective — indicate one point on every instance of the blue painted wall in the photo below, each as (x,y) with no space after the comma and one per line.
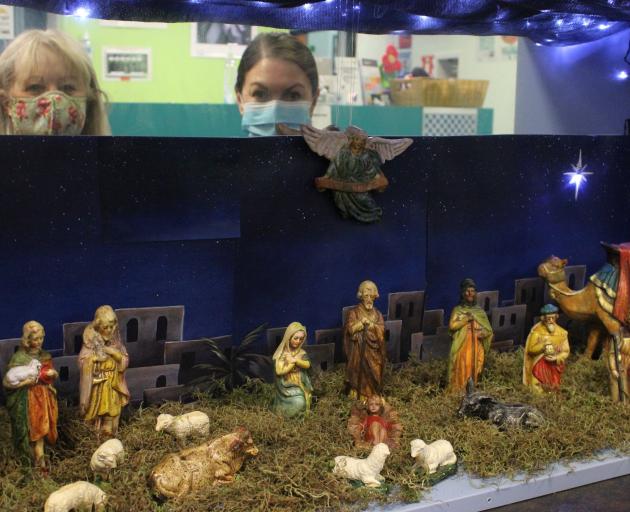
(234,230)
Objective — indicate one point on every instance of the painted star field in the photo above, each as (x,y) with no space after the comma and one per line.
(234,230)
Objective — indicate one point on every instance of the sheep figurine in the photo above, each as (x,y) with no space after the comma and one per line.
(76,496)
(367,470)
(18,374)
(181,427)
(431,456)
(107,457)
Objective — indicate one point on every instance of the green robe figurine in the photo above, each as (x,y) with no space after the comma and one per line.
(471,335)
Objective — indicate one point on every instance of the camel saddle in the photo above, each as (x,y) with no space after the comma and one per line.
(612,282)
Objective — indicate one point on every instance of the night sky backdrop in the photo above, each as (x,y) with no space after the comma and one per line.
(234,230)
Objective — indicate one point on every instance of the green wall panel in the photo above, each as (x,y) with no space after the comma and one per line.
(172,120)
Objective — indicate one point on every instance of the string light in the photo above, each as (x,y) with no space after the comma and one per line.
(82,12)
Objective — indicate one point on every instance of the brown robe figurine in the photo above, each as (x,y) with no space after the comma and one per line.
(103,360)
(374,423)
(364,345)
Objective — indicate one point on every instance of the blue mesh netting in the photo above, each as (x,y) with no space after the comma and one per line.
(549,22)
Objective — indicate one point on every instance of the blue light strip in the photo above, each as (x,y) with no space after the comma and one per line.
(554,22)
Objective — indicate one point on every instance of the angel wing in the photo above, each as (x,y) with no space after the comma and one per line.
(388,149)
(324,142)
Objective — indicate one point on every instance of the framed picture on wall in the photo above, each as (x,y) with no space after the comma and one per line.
(127,63)
(220,40)
(6,22)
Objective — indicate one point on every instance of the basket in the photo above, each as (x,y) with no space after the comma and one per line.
(438,92)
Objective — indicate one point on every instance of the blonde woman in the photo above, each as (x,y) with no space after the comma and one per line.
(48,87)
(293,386)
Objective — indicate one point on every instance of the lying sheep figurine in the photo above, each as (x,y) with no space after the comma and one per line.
(432,456)
(106,457)
(76,496)
(18,374)
(367,470)
(186,425)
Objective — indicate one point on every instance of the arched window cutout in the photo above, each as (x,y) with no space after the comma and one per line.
(160,382)
(501,320)
(160,332)
(187,359)
(572,281)
(523,296)
(513,319)
(398,311)
(78,343)
(132,330)
(63,374)
(486,304)
(411,306)
(386,334)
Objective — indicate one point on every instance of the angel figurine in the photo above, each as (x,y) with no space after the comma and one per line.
(354,170)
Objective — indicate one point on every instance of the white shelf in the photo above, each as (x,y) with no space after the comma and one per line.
(460,493)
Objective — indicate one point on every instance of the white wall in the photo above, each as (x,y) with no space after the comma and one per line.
(572,90)
(501,94)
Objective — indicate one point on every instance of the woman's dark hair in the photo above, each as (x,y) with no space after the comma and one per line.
(277,45)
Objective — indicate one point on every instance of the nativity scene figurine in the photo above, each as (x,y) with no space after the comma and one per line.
(546,350)
(31,399)
(354,171)
(373,423)
(364,345)
(604,303)
(471,335)
(103,360)
(293,389)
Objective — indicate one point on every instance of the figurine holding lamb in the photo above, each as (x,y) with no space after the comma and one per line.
(31,398)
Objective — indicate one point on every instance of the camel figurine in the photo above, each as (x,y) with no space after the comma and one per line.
(603,302)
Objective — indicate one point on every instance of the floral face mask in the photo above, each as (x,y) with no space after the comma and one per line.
(52,113)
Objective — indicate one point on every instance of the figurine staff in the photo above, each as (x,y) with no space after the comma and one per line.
(615,340)
(473,335)
(363,342)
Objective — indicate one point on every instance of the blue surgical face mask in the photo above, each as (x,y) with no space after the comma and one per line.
(260,119)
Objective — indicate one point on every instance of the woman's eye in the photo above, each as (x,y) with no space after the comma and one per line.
(68,88)
(33,88)
(259,94)
(293,96)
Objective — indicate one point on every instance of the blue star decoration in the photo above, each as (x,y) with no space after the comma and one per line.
(578,175)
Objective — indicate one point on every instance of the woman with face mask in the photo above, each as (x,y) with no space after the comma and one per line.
(277,82)
(48,87)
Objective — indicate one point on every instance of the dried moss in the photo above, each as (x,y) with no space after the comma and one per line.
(293,469)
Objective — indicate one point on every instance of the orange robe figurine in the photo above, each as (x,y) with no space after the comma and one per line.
(471,333)
(32,403)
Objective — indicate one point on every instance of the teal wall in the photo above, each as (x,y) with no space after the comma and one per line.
(218,120)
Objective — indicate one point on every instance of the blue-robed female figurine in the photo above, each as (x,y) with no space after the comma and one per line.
(293,386)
